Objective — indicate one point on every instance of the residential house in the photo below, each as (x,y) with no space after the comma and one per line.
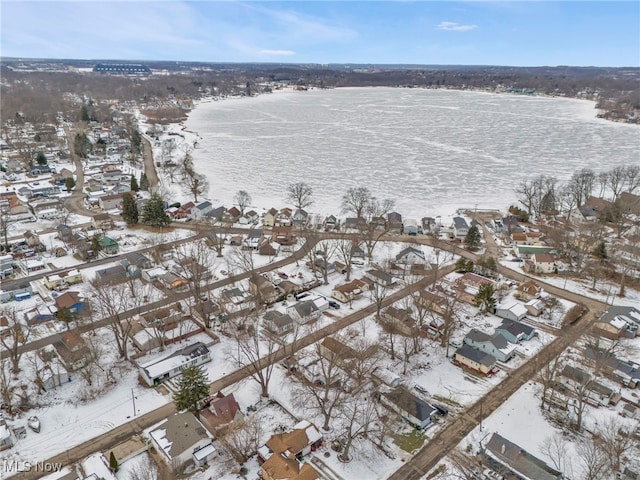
(511,310)
(513,461)
(112,275)
(515,332)
(71,301)
(474,359)
(413,409)
(495,345)
(303,312)
(65,233)
(543,263)
(596,393)
(429,224)
(62,280)
(469,284)
(233,295)
(108,245)
(283,235)
(41,313)
(330,223)
(528,290)
(535,307)
(219,410)
(6,440)
(102,221)
(353,223)
(269,218)
(283,454)
(269,248)
(263,289)
(278,322)
(629,203)
(619,321)
(72,350)
(410,227)
(172,281)
(32,239)
(394,222)
(460,227)
(158,370)
(380,277)
(284,218)
(181,438)
(139,260)
(200,210)
(32,265)
(110,202)
(300,219)
(410,255)
(349,291)
(252,217)
(253,239)
(399,319)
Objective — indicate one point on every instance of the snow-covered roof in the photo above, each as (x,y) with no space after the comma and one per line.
(156,368)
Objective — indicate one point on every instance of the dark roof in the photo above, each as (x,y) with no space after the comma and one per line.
(411,404)
(460,222)
(519,460)
(515,328)
(480,337)
(476,355)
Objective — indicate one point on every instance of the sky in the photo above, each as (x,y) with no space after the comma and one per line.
(515,33)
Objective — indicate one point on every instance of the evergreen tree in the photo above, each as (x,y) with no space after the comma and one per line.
(84,114)
(485,299)
(129,209)
(95,243)
(463,265)
(192,387)
(113,463)
(154,214)
(600,251)
(41,159)
(144,182)
(69,183)
(472,239)
(134,184)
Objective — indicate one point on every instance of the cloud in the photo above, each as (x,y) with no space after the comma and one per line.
(455,27)
(277,53)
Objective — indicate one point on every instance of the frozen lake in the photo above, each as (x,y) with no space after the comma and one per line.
(431,150)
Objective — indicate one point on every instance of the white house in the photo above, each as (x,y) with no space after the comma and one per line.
(156,371)
(410,255)
(460,227)
(201,209)
(512,311)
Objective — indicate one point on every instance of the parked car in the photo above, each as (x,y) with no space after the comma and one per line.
(334,304)
(283,275)
(300,296)
(357,262)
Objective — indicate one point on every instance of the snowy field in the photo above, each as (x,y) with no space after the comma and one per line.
(446,149)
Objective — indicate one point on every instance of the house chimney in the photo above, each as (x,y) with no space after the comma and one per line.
(502,449)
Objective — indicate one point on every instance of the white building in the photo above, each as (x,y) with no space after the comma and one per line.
(157,371)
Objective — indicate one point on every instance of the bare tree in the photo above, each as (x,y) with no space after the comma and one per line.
(359,419)
(112,301)
(326,393)
(356,200)
(145,470)
(345,249)
(602,179)
(632,177)
(581,185)
(256,352)
(614,441)
(7,388)
(93,361)
(300,194)
(375,226)
(547,376)
(555,448)
(243,200)
(593,459)
(527,192)
(625,259)
(193,183)
(616,180)
(17,334)
(242,438)
(196,264)
(378,294)
(325,250)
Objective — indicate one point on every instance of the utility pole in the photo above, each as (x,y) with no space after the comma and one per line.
(133,399)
